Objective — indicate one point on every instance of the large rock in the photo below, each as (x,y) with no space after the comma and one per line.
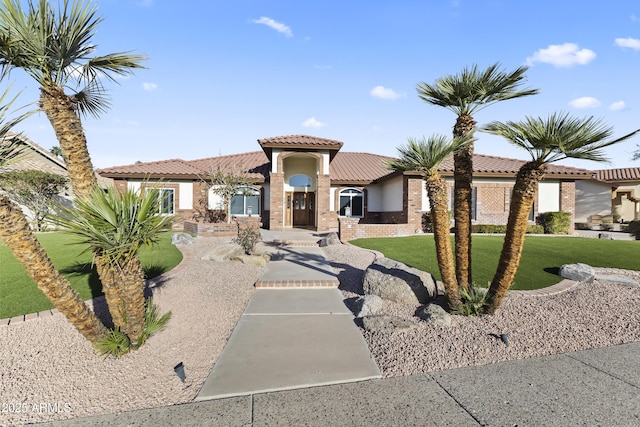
(367,305)
(259,260)
(386,323)
(394,281)
(435,314)
(578,272)
(181,238)
(330,239)
(223,252)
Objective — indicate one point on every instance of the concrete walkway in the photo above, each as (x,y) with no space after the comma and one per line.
(289,337)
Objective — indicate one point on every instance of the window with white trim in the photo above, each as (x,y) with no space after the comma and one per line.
(246,201)
(167,200)
(300,181)
(351,203)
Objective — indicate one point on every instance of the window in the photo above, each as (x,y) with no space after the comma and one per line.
(245,202)
(352,200)
(167,197)
(300,181)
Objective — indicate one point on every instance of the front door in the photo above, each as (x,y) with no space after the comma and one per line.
(303,209)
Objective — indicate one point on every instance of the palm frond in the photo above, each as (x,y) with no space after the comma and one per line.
(11,149)
(425,155)
(472,90)
(92,99)
(559,136)
(115,225)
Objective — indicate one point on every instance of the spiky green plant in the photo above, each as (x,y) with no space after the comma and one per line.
(473,301)
(115,343)
(116,225)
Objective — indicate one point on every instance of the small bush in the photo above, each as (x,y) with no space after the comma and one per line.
(473,301)
(248,238)
(153,322)
(556,222)
(502,229)
(634,229)
(427,223)
(115,343)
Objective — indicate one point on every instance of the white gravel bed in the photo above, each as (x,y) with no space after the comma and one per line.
(48,371)
(586,316)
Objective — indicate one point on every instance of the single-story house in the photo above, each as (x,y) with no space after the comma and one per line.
(306,181)
(625,191)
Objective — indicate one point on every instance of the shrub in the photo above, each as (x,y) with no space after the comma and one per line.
(502,229)
(556,222)
(634,229)
(473,301)
(248,238)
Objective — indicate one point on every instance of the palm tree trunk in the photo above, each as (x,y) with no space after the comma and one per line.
(462,200)
(16,234)
(110,286)
(524,193)
(61,112)
(437,192)
(132,293)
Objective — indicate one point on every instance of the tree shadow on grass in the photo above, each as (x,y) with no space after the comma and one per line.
(552,270)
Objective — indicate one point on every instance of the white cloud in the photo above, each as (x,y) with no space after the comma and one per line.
(617,106)
(628,42)
(384,93)
(634,18)
(585,102)
(322,67)
(149,87)
(562,55)
(278,26)
(313,123)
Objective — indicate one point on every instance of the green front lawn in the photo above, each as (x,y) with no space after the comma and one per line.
(541,258)
(20,295)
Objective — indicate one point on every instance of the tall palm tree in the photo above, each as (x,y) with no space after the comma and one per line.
(465,94)
(425,156)
(547,140)
(116,225)
(55,48)
(18,236)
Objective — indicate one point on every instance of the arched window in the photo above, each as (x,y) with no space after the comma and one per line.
(300,181)
(246,201)
(351,203)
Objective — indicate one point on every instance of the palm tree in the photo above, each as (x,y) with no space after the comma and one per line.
(547,140)
(116,225)
(465,94)
(55,49)
(18,236)
(425,157)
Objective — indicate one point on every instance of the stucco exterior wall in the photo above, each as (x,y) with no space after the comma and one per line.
(549,196)
(625,202)
(592,198)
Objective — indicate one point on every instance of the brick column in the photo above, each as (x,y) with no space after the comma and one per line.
(413,202)
(323,202)
(568,200)
(276,208)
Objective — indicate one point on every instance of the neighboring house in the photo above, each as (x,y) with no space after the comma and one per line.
(306,181)
(624,191)
(34,157)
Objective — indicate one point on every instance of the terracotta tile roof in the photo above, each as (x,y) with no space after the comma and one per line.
(172,168)
(255,163)
(618,175)
(35,158)
(300,141)
(358,167)
(484,165)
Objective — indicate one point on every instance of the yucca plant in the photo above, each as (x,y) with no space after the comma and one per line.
(115,225)
(473,301)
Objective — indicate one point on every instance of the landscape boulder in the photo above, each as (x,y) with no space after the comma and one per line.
(223,252)
(367,305)
(330,239)
(578,272)
(435,314)
(259,260)
(386,323)
(181,238)
(394,281)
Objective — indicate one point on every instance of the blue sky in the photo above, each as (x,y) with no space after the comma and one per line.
(223,74)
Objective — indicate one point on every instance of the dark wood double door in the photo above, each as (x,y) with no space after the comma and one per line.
(300,209)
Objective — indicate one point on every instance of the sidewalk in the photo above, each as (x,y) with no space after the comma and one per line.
(592,387)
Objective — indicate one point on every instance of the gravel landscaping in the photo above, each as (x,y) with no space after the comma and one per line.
(48,371)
